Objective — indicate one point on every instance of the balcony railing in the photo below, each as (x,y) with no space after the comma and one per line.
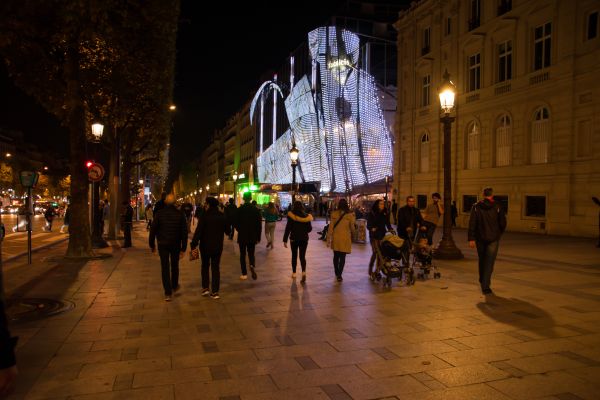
(473,97)
(539,78)
(501,89)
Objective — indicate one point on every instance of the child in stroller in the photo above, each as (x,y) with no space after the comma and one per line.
(423,255)
(393,261)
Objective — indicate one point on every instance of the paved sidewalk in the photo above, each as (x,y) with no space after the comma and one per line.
(273,338)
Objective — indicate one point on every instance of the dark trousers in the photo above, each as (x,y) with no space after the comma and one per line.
(170,274)
(430,231)
(127,234)
(212,262)
(299,245)
(246,247)
(231,230)
(374,246)
(487,252)
(339,260)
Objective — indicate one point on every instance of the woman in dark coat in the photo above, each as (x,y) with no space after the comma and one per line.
(378,224)
(297,229)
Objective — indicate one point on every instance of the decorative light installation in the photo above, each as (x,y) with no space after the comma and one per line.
(344,142)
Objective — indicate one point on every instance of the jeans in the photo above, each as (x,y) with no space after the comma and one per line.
(211,261)
(127,234)
(249,247)
(374,247)
(302,245)
(430,230)
(339,260)
(170,275)
(487,252)
(231,231)
(270,232)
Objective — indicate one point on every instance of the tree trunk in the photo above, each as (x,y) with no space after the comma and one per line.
(113,181)
(80,244)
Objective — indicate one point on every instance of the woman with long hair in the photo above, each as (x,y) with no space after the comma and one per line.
(378,224)
(270,215)
(297,228)
(339,236)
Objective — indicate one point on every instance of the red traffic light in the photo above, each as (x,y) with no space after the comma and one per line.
(89,164)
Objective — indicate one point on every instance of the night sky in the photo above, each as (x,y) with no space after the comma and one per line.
(222,54)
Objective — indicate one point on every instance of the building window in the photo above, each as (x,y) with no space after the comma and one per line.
(535,206)
(504,6)
(474,72)
(584,138)
(540,134)
(425,100)
(473,138)
(505,61)
(468,201)
(503,142)
(475,14)
(542,46)
(592,25)
(448,29)
(426,41)
(424,153)
(421,201)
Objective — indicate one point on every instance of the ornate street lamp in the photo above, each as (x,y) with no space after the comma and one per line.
(97,130)
(235,178)
(446,248)
(98,241)
(218,187)
(294,152)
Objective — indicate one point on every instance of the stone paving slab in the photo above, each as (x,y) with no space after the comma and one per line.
(274,338)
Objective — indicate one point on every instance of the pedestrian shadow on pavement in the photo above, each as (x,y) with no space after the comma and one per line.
(518,313)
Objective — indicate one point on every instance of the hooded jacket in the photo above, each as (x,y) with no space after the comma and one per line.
(487,222)
(298,226)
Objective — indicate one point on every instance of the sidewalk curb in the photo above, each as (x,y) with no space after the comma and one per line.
(12,258)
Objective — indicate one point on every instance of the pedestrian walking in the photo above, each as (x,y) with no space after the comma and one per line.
(187,209)
(106,218)
(160,204)
(432,215)
(149,215)
(49,216)
(169,229)
(230,211)
(8,362)
(339,236)
(209,234)
(409,219)
(271,216)
(66,220)
(378,224)
(297,228)
(486,225)
(454,214)
(127,222)
(394,212)
(248,224)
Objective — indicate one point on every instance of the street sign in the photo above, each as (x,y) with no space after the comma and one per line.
(29,178)
(96,172)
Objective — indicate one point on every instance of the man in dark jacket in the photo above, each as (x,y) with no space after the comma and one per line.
(209,233)
(248,223)
(126,222)
(486,225)
(8,368)
(160,204)
(187,209)
(230,211)
(409,218)
(169,228)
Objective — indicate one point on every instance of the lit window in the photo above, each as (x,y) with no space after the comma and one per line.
(503,142)
(473,139)
(540,132)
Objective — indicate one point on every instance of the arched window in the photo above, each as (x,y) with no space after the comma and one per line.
(424,153)
(473,140)
(503,141)
(540,136)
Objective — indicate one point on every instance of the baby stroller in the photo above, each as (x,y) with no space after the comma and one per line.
(423,256)
(393,260)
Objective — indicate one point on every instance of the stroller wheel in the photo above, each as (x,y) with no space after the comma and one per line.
(378,277)
(372,276)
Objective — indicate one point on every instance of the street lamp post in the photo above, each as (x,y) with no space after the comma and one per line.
(446,248)
(235,177)
(294,152)
(98,241)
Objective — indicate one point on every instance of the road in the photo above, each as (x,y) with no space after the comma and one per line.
(16,241)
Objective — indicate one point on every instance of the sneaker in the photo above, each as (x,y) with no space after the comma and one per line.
(487,291)
(339,278)
(167,298)
(253,272)
(205,292)
(215,296)
(243,277)
(303,277)
(293,275)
